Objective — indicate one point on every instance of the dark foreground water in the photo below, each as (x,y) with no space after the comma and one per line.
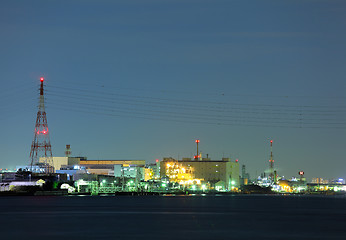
(173,217)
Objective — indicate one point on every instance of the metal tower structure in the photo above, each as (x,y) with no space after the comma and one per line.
(41,146)
(271,162)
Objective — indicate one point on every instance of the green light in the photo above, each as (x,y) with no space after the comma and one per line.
(233,182)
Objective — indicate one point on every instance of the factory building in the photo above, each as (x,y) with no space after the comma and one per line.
(106,167)
(59,162)
(152,171)
(215,173)
(131,171)
(98,167)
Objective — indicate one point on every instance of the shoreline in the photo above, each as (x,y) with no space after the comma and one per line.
(65,193)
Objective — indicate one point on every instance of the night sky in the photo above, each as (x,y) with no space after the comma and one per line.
(144,79)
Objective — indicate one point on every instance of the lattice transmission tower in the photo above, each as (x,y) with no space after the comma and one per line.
(41,147)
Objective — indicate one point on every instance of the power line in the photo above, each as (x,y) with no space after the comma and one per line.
(188,106)
(184,92)
(111,103)
(219,116)
(96,92)
(198,121)
(186,110)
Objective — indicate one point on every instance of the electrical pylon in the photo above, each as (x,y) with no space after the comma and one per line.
(41,146)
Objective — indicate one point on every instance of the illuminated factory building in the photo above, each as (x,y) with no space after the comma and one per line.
(218,174)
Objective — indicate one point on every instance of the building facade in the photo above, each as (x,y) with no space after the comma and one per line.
(59,162)
(209,171)
(106,167)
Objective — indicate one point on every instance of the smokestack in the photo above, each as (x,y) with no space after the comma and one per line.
(68,150)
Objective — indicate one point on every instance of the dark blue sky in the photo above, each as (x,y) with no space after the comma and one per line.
(144,79)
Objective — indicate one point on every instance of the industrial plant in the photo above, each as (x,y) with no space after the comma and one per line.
(45,174)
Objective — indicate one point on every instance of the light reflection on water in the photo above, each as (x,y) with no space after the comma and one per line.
(173,217)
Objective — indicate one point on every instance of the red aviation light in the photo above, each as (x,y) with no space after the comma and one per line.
(197,141)
(301,173)
(41,79)
(236,160)
(157,160)
(271,141)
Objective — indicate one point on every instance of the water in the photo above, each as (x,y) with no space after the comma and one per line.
(173,217)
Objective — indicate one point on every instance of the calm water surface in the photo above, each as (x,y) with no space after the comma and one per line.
(173,217)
